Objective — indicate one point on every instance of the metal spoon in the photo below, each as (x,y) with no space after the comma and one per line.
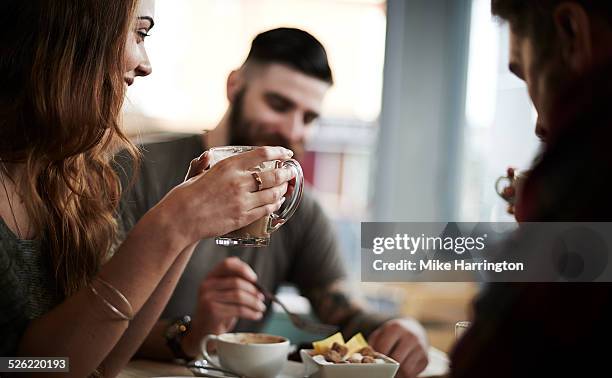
(298,321)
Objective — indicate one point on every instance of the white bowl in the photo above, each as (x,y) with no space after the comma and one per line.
(319,370)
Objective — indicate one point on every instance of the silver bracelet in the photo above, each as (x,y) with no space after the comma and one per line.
(119,294)
(114,309)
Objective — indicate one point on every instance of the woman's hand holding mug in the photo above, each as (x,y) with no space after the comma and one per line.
(221,199)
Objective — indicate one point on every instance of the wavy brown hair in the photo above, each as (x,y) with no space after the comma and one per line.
(61,93)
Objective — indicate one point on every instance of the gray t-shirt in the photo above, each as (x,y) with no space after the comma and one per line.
(27,287)
(303,252)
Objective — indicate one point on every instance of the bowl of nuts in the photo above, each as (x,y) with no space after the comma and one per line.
(333,358)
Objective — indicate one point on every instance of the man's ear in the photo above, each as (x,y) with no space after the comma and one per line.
(573,27)
(233,85)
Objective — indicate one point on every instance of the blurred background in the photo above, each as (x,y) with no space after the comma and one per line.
(423,117)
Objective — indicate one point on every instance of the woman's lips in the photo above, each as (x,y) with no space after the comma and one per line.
(128,80)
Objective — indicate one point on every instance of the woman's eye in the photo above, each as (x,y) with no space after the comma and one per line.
(142,35)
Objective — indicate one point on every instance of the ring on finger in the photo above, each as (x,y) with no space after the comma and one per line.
(258,180)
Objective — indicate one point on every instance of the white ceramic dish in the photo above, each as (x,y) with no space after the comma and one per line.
(315,369)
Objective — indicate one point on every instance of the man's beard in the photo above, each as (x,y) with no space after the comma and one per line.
(244,132)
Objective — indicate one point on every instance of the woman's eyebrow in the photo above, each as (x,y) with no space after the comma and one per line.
(148,18)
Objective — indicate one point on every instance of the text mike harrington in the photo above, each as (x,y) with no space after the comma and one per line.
(458,245)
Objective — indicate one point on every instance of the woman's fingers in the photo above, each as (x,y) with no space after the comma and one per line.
(250,159)
(267,196)
(230,188)
(262,211)
(272,178)
(198,165)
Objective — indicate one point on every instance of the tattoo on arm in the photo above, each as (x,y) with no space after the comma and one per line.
(333,304)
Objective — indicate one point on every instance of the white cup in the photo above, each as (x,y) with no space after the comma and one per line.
(254,355)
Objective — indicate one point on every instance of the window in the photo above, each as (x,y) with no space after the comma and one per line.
(500,120)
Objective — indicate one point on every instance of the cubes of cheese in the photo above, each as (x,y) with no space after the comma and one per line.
(322,346)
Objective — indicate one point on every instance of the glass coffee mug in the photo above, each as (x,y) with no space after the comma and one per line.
(509,187)
(461,328)
(257,234)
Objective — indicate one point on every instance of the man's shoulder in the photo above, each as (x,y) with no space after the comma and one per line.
(160,151)
(309,218)
(309,206)
(158,146)
(162,163)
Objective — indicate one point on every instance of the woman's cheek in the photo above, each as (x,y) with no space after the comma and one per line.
(131,53)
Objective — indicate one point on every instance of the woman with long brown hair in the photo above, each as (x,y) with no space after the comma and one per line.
(64,68)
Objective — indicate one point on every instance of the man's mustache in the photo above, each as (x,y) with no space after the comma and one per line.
(279,140)
(272,140)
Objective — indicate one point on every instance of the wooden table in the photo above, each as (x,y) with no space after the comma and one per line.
(147,368)
(438,367)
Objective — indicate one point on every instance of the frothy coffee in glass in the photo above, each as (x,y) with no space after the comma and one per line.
(257,229)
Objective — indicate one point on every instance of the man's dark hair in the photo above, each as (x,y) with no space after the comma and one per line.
(534,18)
(294,48)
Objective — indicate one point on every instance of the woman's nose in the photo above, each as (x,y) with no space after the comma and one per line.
(144,67)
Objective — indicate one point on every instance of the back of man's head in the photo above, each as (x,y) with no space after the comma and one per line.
(294,48)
